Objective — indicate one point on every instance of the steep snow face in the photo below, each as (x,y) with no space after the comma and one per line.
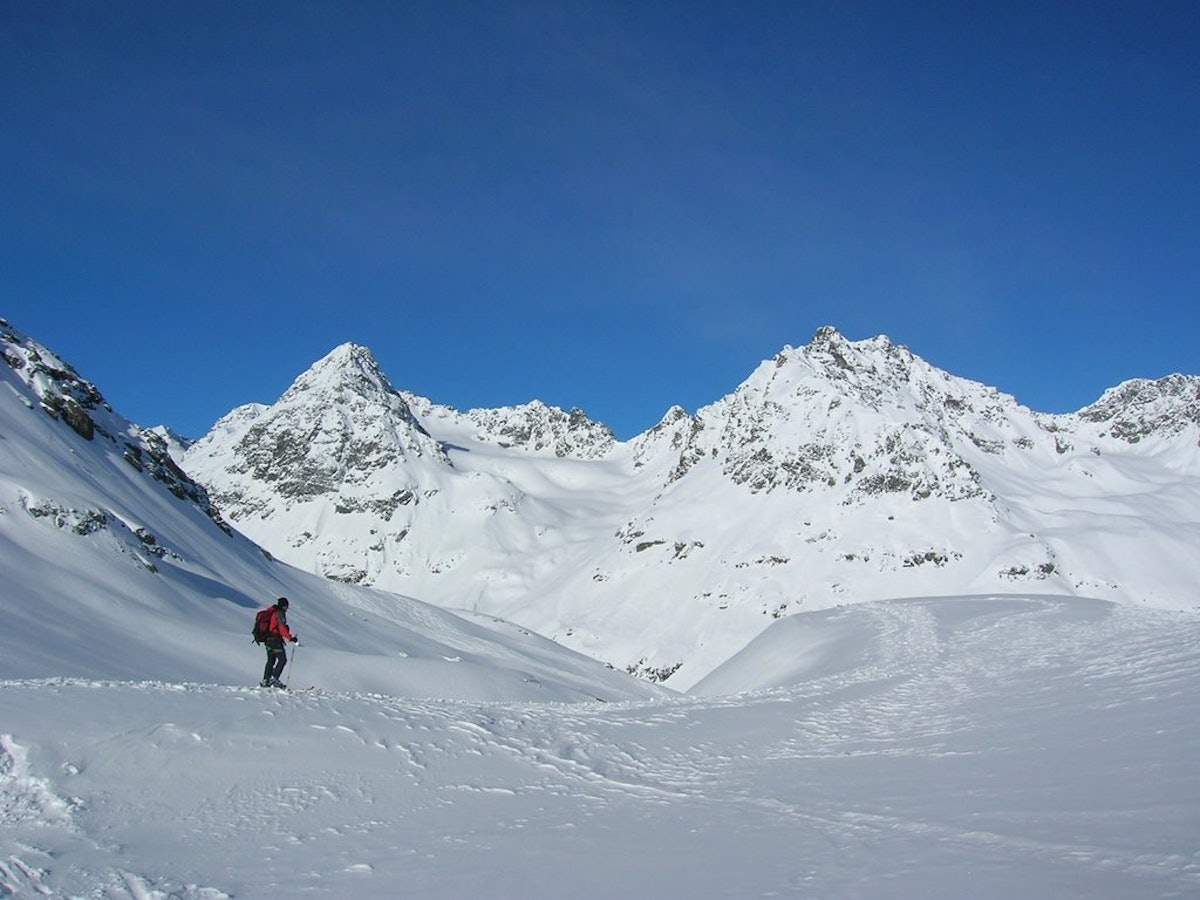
(114,565)
(837,472)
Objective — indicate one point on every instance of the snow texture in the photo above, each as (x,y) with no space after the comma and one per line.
(981,747)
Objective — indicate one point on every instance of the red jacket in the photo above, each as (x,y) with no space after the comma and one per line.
(277,625)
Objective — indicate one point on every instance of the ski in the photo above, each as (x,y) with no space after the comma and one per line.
(311,689)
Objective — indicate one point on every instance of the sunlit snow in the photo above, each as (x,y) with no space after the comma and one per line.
(980,744)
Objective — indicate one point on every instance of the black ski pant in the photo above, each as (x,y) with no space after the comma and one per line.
(276,660)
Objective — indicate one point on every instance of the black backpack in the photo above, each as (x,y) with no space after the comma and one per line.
(262,625)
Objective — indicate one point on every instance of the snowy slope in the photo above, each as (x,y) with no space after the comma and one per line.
(959,747)
(837,472)
(115,565)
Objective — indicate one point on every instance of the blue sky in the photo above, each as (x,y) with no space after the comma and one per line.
(617,206)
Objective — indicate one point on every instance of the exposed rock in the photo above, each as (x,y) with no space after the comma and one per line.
(71,399)
(1140,408)
(538,428)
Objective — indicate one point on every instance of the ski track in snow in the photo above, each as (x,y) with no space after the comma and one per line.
(34,819)
(964,748)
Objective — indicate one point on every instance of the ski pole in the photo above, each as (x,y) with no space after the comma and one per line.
(292,662)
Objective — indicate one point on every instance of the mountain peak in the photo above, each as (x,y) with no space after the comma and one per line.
(350,354)
(340,429)
(1139,408)
(348,367)
(837,351)
(827,334)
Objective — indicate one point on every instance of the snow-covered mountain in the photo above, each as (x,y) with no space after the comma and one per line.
(837,472)
(997,745)
(116,564)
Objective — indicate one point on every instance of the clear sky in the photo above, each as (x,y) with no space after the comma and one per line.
(613,205)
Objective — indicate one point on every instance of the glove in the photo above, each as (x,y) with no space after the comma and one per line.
(295,640)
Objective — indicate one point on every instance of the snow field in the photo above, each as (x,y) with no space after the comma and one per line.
(983,747)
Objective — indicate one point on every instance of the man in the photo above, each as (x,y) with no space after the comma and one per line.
(277,632)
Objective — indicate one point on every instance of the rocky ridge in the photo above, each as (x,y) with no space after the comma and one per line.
(65,396)
(534,427)
(870,417)
(1142,408)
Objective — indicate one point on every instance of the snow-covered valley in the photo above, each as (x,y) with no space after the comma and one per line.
(999,732)
(959,747)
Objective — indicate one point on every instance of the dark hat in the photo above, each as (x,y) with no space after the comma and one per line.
(282,603)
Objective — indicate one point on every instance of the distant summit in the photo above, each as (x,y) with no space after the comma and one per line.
(348,371)
(340,438)
(346,465)
(1141,408)
(861,418)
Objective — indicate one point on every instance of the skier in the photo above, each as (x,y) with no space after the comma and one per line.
(277,632)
